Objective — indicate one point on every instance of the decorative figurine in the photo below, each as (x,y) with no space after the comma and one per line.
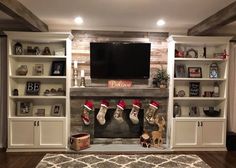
(18,48)
(157,139)
(37,50)
(22,70)
(214,71)
(46,51)
(15,92)
(177,110)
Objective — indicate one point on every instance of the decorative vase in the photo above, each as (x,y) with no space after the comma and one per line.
(22,70)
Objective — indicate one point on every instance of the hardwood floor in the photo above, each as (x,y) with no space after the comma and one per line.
(31,159)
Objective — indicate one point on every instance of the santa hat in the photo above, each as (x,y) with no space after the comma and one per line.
(137,103)
(104,103)
(121,104)
(154,104)
(88,105)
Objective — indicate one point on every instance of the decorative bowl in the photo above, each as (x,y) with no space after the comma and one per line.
(212,113)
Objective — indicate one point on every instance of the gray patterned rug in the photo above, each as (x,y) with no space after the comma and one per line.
(121,161)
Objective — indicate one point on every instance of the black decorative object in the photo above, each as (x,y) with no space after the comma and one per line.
(58,68)
(18,48)
(211,112)
(194,89)
(37,50)
(32,88)
(15,92)
(46,51)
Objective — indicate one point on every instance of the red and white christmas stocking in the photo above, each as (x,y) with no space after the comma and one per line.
(102,112)
(133,115)
(150,112)
(118,114)
(88,107)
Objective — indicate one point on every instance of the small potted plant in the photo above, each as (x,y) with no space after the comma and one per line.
(161,78)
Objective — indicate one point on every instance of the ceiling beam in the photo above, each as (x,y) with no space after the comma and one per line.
(20,13)
(12,25)
(221,18)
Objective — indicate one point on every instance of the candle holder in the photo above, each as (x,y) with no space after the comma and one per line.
(82,82)
(75,77)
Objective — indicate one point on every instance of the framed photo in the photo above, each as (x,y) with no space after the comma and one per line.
(40,112)
(194,72)
(57,110)
(32,88)
(58,68)
(180,71)
(193,111)
(24,108)
(194,89)
(38,69)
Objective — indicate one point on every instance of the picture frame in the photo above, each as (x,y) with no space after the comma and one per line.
(38,69)
(180,70)
(192,53)
(40,112)
(194,72)
(57,110)
(194,111)
(58,68)
(194,89)
(24,108)
(32,88)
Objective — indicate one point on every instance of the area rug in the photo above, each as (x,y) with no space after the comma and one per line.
(121,161)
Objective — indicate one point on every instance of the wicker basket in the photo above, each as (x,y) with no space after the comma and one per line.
(80,141)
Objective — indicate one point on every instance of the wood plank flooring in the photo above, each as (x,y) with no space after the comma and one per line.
(31,159)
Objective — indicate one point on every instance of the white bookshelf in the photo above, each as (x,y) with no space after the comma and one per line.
(32,130)
(200,131)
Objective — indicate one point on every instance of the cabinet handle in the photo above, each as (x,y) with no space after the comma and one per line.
(201,123)
(198,123)
(34,123)
(38,123)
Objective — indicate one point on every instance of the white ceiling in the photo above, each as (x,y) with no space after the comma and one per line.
(136,15)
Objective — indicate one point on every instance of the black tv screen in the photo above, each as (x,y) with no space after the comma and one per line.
(119,60)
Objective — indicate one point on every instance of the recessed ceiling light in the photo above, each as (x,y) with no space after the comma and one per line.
(161,22)
(79,20)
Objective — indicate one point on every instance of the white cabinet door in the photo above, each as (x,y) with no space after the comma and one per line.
(213,133)
(52,134)
(21,134)
(185,133)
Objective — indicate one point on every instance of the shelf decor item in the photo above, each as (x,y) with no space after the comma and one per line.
(58,68)
(191,53)
(180,71)
(57,110)
(193,111)
(82,80)
(24,108)
(214,71)
(216,92)
(211,112)
(194,72)
(38,69)
(32,88)
(40,112)
(46,51)
(194,89)
(22,70)
(18,48)
(177,110)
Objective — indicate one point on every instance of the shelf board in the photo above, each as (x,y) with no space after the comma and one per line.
(198,98)
(198,118)
(200,59)
(37,77)
(37,56)
(199,79)
(37,97)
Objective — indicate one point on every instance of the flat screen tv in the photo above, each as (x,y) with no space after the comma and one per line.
(119,60)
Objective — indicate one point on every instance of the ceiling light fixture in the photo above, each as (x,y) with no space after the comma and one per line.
(79,20)
(161,22)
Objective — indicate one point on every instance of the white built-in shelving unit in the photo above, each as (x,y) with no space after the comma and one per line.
(200,132)
(35,131)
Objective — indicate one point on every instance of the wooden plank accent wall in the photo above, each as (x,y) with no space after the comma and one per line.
(82,39)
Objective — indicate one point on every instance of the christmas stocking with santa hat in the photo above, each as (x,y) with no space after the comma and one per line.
(118,114)
(88,107)
(102,112)
(133,115)
(149,114)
